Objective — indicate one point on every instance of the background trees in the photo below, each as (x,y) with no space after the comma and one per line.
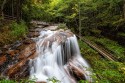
(11,8)
(105,17)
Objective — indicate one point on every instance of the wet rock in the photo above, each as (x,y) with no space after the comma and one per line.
(53,28)
(40,26)
(37,23)
(5,47)
(16,44)
(35,30)
(28,41)
(27,51)
(33,34)
(77,72)
(17,59)
(69,33)
(12,53)
(19,70)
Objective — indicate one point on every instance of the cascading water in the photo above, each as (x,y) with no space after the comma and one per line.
(58,56)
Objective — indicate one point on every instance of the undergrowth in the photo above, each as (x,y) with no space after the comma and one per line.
(105,71)
(18,30)
(110,45)
(21,81)
(9,33)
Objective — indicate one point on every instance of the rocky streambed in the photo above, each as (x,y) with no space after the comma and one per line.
(28,58)
(14,58)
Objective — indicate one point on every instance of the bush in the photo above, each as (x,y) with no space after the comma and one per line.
(62,26)
(18,30)
(11,32)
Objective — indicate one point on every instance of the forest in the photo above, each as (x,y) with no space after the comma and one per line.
(100,22)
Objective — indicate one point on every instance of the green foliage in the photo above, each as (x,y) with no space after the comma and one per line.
(21,81)
(112,46)
(12,32)
(54,80)
(86,49)
(62,26)
(105,71)
(83,81)
(121,34)
(7,81)
(94,14)
(18,30)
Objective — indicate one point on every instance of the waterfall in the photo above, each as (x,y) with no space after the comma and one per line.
(58,55)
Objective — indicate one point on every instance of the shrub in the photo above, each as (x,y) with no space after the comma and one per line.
(18,30)
(62,26)
(11,32)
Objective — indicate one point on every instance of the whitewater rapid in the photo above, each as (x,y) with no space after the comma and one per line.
(58,56)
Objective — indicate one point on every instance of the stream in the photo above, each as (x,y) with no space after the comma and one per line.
(48,53)
(58,56)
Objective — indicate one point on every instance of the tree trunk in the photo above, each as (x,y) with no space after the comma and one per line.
(12,8)
(2,7)
(124,8)
(18,10)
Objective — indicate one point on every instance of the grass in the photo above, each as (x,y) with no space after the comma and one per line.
(105,71)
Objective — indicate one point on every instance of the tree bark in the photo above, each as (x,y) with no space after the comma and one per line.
(18,10)
(124,8)
(12,8)
(2,7)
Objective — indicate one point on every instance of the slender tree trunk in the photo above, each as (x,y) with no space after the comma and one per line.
(124,8)
(12,8)
(19,9)
(18,14)
(79,19)
(2,7)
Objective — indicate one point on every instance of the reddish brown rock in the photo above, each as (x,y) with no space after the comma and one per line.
(21,69)
(12,53)
(28,41)
(27,51)
(16,70)
(2,60)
